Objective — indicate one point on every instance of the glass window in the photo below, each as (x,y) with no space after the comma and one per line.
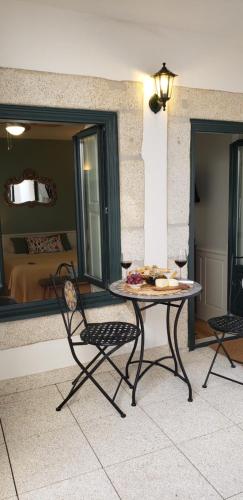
(89,177)
(80,224)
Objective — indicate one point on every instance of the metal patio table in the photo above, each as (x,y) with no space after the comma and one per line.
(169,301)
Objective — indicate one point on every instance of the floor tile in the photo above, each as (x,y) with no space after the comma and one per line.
(43,379)
(41,395)
(159,385)
(48,450)
(89,402)
(240,425)
(182,420)
(36,380)
(197,354)
(226,398)
(91,486)
(115,439)
(218,457)
(34,415)
(223,367)
(152,353)
(197,370)
(50,457)
(163,475)
(6,482)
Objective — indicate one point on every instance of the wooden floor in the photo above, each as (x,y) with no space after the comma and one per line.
(202,329)
(234,347)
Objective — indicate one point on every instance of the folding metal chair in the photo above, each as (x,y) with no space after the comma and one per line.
(229,324)
(107,337)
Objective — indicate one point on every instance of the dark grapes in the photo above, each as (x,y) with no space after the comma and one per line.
(134,279)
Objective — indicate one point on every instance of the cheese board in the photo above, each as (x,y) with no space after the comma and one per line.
(146,289)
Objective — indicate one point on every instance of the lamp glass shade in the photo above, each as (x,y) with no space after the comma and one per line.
(164,83)
(15,129)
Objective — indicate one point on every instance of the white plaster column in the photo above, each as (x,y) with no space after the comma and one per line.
(155,159)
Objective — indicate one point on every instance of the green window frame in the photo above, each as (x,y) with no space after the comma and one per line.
(106,121)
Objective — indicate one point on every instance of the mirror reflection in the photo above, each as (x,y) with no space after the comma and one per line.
(30,189)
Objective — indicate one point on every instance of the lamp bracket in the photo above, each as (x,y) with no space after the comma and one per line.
(155,104)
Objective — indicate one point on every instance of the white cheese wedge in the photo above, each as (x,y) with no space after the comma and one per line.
(173,282)
(162,282)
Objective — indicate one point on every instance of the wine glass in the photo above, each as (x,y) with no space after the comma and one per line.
(125,264)
(181,260)
(168,274)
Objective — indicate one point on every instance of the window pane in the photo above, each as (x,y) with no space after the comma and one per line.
(91,205)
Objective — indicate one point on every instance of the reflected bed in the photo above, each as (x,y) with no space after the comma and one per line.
(24,271)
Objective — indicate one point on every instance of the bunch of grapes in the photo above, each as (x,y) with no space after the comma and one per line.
(134,279)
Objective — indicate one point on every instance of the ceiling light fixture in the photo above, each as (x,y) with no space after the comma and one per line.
(164,84)
(15,128)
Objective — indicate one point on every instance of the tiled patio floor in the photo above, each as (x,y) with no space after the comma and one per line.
(166,448)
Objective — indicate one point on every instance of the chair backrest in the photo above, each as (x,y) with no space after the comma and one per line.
(65,285)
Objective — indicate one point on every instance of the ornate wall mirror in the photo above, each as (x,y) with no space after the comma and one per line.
(30,190)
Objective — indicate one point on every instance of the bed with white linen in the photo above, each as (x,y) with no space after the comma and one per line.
(23,271)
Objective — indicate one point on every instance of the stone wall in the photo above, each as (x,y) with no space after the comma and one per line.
(69,91)
(189,103)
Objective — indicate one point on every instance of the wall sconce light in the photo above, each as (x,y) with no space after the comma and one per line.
(164,83)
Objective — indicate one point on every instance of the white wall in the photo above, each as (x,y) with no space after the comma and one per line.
(35,36)
(155,252)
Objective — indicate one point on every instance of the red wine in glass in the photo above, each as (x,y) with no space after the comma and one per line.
(181,260)
(126,264)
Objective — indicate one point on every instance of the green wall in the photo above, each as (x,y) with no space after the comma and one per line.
(49,158)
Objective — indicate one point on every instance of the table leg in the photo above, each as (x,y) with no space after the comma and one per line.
(186,379)
(133,351)
(140,361)
(130,358)
(169,339)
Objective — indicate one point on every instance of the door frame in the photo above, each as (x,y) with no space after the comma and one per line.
(201,126)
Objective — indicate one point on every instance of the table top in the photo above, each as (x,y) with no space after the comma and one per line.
(117,288)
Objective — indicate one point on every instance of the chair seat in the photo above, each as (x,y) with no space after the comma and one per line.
(227,324)
(107,334)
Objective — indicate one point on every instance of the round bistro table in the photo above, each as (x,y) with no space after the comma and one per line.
(169,301)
